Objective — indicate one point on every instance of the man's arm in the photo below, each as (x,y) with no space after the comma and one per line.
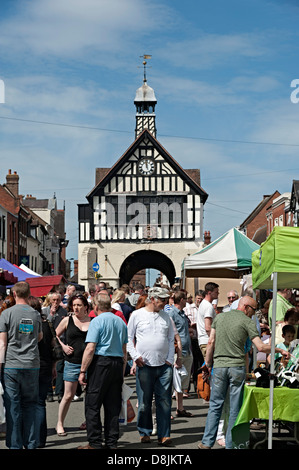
(86,360)
(266,348)
(210,349)
(170,355)
(208,325)
(178,362)
(3,346)
(125,356)
(131,347)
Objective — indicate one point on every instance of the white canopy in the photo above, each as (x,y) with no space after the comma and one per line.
(232,250)
(27,270)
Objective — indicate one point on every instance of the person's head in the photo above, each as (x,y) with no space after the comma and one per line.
(247,305)
(92,291)
(70,290)
(141,302)
(125,288)
(8,302)
(232,295)
(34,302)
(290,316)
(179,299)
(211,291)
(21,290)
(288,333)
(100,286)
(118,296)
(55,299)
(101,303)
(265,307)
(138,289)
(286,293)
(158,297)
(79,304)
(199,296)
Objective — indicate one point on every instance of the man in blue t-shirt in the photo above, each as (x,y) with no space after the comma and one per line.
(104,363)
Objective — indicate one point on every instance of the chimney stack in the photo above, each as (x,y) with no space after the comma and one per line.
(12,182)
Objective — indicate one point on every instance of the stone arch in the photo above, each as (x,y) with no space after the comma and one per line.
(146,259)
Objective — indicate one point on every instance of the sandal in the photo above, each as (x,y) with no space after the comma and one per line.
(183,414)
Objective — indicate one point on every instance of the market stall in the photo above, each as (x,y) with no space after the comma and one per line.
(15,270)
(275,265)
(41,286)
(228,258)
(7,278)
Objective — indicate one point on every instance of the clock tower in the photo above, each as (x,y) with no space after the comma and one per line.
(145,102)
(146,211)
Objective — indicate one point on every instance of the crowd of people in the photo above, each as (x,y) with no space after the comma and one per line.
(155,333)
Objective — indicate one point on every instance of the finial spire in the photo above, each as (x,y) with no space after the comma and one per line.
(145,57)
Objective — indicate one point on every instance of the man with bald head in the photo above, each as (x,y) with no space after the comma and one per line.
(226,354)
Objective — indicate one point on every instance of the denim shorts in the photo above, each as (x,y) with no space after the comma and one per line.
(71,371)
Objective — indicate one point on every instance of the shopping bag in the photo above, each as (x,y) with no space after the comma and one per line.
(177,378)
(126,394)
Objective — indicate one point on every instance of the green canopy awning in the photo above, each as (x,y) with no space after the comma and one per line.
(280,254)
(275,265)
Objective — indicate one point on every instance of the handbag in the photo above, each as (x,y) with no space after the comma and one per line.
(203,386)
(130,412)
(57,351)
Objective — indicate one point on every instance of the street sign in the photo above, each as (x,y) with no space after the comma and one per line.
(96,267)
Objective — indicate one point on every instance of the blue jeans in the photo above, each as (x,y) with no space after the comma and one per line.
(20,401)
(224,379)
(41,412)
(152,381)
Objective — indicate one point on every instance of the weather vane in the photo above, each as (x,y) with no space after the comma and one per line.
(145,57)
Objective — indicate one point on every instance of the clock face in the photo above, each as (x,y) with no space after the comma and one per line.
(146,166)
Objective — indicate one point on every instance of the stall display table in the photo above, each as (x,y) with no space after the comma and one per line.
(256,405)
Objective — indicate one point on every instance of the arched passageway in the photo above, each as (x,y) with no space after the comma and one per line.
(144,259)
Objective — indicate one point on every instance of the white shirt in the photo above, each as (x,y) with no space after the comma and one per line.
(151,336)
(191,311)
(205,310)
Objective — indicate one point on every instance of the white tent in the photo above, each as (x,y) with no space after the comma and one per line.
(27,270)
(228,256)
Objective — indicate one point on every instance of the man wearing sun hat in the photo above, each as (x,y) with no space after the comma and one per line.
(151,346)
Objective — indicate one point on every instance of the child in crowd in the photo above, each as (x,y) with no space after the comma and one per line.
(288,334)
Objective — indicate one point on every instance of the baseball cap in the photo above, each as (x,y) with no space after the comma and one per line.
(159,292)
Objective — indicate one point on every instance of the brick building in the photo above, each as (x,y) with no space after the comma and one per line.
(274,210)
(255,225)
(31,232)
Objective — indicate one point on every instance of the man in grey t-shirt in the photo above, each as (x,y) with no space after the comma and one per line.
(20,332)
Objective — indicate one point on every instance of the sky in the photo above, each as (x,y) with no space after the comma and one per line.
(222,74)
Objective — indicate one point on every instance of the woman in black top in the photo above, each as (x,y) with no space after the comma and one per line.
(75,328)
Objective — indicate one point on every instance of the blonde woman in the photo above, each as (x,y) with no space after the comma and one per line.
(118,297)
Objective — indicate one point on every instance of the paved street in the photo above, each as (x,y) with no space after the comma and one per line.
(186,432)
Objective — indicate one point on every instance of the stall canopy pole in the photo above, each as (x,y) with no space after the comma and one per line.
(273,328)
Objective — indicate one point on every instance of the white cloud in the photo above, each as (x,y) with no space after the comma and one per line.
(73,28)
